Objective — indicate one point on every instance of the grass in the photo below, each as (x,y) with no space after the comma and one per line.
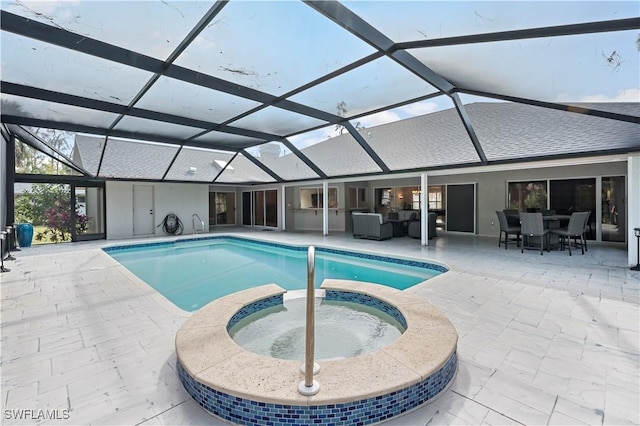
(45,240)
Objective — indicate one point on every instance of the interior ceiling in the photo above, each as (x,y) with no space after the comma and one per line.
(244,92)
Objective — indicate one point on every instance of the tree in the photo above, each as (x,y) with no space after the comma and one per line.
(341,110)
(59,224)
(32,205)
(49,205)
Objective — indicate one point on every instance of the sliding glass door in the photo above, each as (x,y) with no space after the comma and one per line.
(575,195)
(222,208)
(260,208)
(613,209)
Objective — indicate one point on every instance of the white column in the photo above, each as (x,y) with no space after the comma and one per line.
(633,206)
(325,208)
(424,210)
(283,208)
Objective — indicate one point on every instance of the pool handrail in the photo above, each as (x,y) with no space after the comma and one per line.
(309,386)
(193,223)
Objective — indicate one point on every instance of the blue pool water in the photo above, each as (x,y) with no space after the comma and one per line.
(192,273)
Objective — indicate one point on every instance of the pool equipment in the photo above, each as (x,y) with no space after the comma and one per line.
(171,224)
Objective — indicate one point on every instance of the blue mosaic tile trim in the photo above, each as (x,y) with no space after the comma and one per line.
(363,412)
(255,307)
(136,246)
(367,300)
(397,261)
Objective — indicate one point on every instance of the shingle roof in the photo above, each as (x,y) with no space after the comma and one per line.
(507,132)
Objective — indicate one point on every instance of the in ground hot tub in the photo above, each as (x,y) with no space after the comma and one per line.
(244,387)
(343,329)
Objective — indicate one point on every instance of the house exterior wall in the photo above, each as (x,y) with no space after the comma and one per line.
(492,187)
(181,199)
(311,219)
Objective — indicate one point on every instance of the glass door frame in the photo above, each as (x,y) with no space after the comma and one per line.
(214,194)
(73,182)
(598,199)
(97,235)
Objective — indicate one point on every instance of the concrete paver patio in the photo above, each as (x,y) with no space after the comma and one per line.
(546,339)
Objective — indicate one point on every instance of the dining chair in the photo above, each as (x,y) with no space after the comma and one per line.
(584,230)
(507,229)
(531,225)
(575,230)
(513,216)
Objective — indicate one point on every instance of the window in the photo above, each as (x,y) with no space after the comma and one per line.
(435,200)
(415,199)
(385,199)
(358,198)
(527,196)
(311,198)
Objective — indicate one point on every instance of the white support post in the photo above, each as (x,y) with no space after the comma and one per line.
(633,207)
(283,208)
(598,208)
(325,208)
(424,210)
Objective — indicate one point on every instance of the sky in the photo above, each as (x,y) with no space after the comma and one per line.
(277,46)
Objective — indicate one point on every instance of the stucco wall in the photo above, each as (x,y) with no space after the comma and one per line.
(492,187)
(181,199)
(311,219)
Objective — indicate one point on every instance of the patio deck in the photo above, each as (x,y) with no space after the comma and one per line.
(546,339)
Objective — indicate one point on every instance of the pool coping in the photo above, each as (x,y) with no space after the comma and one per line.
(208,354)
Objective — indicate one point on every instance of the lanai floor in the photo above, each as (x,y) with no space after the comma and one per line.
(549,339)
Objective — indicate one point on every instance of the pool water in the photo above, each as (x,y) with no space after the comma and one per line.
(342,330)
(192,273)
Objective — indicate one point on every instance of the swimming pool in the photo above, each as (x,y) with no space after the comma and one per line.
(193,272)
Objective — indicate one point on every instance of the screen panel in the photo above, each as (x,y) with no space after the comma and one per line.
(125,158)
(201,165)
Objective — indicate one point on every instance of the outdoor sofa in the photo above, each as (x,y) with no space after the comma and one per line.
(371,225)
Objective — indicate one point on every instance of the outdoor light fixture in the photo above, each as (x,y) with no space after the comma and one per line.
(2,237)
(636,231)
(9,235)
(193,170)
(14,237)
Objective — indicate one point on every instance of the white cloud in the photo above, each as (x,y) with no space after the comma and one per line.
(625,95)
(39,9)
(305,140)
(420,108)
(383,117)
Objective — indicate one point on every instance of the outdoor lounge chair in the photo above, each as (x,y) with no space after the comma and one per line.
(371,225)
(414,226)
